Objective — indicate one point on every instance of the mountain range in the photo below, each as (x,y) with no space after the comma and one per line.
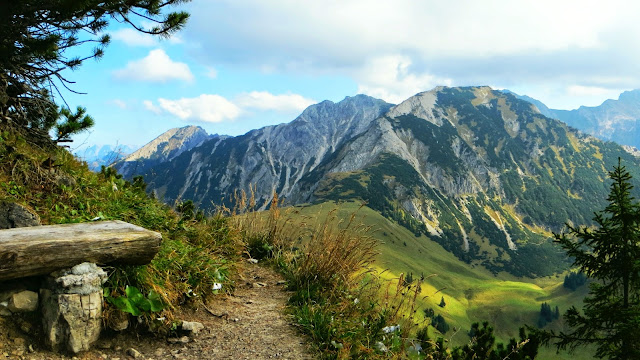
(164,148)
(97,156)
(614,120)
(481,172)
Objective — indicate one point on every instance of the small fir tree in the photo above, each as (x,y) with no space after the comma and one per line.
(408,279)
(72,123)
(442,303)
(609,254)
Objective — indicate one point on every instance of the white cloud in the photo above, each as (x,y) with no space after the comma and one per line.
(216,108)
(205,108)
(579,90)
(211,73)
(119,103)
(175,39)
(155,67)
(353,29)
(584,95)
(133,37)
(390,78)
(148,104)
(546,43)
(263,100)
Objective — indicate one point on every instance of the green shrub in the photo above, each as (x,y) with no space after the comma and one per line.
(134,302)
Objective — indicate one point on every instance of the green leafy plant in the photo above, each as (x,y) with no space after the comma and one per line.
(134,302)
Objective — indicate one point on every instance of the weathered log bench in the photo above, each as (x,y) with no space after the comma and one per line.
(66,256)
(40,250)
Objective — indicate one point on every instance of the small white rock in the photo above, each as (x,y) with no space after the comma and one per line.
(133,353)
(193,326)
(380,347)
(23,301)
(182,340)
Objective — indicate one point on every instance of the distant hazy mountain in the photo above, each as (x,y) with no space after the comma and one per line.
(481,172)
(98,155)
(165,147)
(615,120)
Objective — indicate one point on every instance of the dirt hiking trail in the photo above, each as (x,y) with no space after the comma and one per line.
(249,324)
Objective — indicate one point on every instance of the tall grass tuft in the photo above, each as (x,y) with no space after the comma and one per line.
(337,255)
(270,233)
(338,300)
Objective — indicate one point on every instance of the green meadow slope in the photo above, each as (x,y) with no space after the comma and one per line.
(471,292)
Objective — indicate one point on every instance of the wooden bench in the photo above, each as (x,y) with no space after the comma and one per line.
(40,250)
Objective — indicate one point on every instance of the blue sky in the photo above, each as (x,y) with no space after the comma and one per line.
(244,64)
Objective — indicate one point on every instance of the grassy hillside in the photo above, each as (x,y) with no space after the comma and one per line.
(196,252)
(471,293)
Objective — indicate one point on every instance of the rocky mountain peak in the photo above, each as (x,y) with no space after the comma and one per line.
(326,110)
(267,160)
(165,147)
(630,96)
(421,105)
(169,141)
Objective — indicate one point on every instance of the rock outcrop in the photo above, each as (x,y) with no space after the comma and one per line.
(13,215)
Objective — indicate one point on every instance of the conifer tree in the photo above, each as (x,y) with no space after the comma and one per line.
(442,303)
(483,346)
(408,279)
(72,123)
(609,254)
(39,39)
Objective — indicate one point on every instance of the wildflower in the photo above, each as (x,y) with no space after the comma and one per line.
(390,329)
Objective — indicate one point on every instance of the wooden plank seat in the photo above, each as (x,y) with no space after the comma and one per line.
(40,250)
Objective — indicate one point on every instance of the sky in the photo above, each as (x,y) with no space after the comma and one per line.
(244,64)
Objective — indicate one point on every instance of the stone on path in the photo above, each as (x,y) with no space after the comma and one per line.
(180,340)
(192,326)
(134,353)
(24,301)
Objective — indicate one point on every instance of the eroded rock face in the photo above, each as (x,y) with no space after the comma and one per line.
(13,215)
(72,307)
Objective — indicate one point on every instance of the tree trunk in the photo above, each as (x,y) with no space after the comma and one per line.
(41,250)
